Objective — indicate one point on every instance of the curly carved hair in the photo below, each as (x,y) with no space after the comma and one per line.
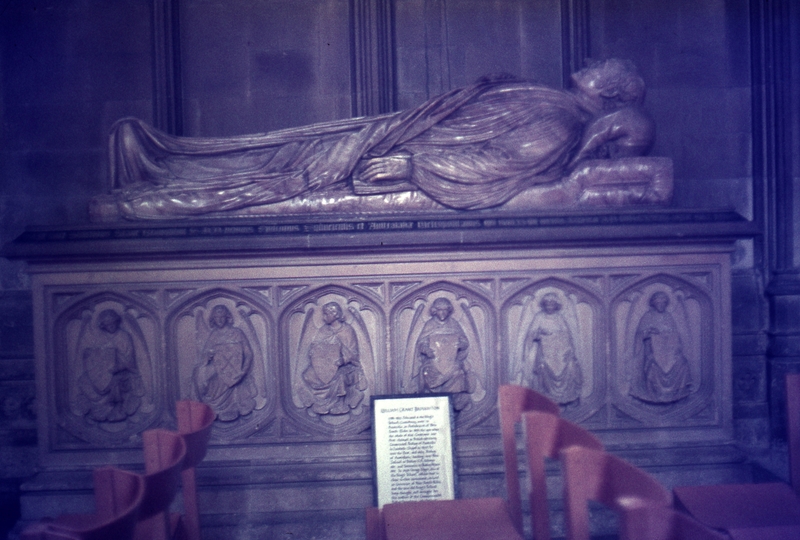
(621,83)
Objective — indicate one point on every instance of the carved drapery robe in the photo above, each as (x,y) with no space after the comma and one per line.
(223,379)
(111,387)
(556,371)
(662,373)
(441,355)
(471,148)
(334,375)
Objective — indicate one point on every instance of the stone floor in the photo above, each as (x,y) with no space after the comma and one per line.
(239,510)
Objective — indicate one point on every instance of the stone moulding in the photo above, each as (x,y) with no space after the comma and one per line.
(347,232)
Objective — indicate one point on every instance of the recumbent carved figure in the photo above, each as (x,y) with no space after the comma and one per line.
(471,148)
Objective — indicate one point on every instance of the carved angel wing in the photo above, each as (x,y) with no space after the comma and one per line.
(300,391)
(521,358)
(366,351)
(202,332)
(143,361)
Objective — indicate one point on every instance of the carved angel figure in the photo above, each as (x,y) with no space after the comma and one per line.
(662,372)
(224,378)
(334,376)
(550,343)
(111,387)
(441,351)
(471,148)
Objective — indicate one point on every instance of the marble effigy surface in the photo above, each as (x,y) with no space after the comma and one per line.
(498,143)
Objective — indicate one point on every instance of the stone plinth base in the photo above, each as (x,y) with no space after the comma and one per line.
(287,329)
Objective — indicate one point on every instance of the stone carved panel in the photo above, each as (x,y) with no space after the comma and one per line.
(222,342)
(553,342)
(331,360)
(663,343)
(464,329)
(107,385)
(442,335)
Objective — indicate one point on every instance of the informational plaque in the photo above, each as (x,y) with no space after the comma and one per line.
(413,441)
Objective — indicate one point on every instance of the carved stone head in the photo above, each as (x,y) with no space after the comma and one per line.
(441,308)
(220,317)
(659,301)
(549,303)
(611,83)
(332,312)
(109,321)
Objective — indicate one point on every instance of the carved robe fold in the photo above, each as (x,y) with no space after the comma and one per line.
(224,380)
(334,376)
(471,148)
(662,373)
(441,355)
(556,371)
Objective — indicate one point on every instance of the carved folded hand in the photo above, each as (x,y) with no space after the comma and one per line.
(385,169)
(626,132)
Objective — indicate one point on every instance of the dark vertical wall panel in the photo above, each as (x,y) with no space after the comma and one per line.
(372,57)
(794,74)
(167,87)
(70,69)
(444,44)
(694,57)
(251,67)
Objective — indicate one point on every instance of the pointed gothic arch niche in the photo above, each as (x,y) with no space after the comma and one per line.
(329,369)
(561,354)
(664,372)
(228,362)
(109,386)
(461,361)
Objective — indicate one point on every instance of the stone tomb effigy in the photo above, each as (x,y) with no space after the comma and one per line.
(287,327)
(504,232)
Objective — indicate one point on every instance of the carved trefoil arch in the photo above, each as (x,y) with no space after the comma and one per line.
(663,353)
(443,341)
(107,381)
(331,361)
(221,348)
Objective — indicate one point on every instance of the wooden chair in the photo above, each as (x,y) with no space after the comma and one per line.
(594,475)
(164,453)
(486,518)
(514,400)
(118,496)
(545,436)
(645,521)
(760,510)
(376,528)
(194,424)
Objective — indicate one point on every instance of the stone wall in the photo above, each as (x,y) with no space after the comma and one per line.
(18,458)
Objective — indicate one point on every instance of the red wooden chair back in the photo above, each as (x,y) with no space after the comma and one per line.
(118,497)
(164,452)
(754,510)
(545,436)
(513,400)
(643,520)
(195,420)
(598,476)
